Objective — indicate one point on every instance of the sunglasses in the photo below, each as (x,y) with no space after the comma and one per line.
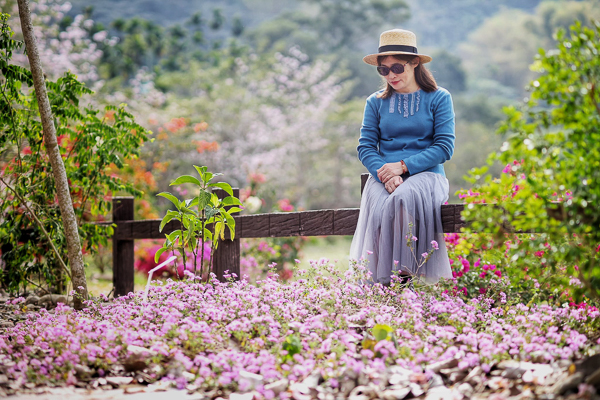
(396,69)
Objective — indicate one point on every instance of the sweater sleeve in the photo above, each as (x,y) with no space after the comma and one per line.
(442,148)
(368,143)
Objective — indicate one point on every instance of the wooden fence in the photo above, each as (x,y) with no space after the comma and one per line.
(336,222)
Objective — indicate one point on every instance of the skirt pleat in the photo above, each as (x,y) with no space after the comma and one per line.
(387,222)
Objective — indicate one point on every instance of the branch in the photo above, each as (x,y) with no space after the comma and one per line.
(592,95)
(62,263)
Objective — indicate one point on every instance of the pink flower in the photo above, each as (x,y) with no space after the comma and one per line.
(434,244)
(466,264)
(285,205)
(498,273)
(482,290)
(424,255)
(414,238)
(482,275)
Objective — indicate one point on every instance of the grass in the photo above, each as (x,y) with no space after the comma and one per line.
(333,248)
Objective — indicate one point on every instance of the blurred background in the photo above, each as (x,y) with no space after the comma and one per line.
(275,90)
(271,93)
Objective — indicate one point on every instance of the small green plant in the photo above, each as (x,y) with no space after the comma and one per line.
(202,218)
(292,345)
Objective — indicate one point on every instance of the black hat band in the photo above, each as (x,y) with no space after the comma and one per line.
(398,47)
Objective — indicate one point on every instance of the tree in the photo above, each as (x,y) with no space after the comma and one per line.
(551,183)
(58,168)
(94,146)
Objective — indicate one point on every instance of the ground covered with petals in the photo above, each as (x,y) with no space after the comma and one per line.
(235,337)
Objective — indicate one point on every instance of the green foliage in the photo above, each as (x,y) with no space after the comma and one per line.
(522,34)
(144,43)
(91,141)
(201,218)
(292,345)
(551,183)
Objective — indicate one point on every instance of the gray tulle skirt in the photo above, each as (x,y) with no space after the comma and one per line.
(387,222)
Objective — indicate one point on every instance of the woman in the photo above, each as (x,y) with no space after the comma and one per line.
(407,134)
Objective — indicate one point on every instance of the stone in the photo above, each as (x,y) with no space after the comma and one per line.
(51,299)
(349,373)
(395,394)
(323,395)
(117,381)
(242,396)
(589,365)
(252,380)
(416,389)
(347,386)
(419,377)
(188,376)
(82,371)
(137,358)
(454,374)
(594,379)
(397,379)
(278,386)
(367,391)
(313,380)
(566,383)
(300,391)
(435,381)
(475,372)
(438,366)
(33,300)
(465,389)
(6,324)
(439,393)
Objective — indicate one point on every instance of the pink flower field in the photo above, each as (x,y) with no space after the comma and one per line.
(234,337)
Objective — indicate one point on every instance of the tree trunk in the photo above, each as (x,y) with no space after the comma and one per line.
(58,168)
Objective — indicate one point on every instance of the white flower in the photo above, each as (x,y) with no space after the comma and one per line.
(253,204)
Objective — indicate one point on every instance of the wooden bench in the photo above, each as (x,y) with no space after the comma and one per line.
(337,222)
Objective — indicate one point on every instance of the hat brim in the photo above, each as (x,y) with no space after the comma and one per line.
(371,59)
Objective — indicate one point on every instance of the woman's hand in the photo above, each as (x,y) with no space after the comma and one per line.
(390,170)
(393,183)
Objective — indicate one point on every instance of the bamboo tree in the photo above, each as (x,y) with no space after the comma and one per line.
(74,252)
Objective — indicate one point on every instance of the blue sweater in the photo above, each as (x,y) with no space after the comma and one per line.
(416,127)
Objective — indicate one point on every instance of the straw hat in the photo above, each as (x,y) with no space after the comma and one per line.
(397,41)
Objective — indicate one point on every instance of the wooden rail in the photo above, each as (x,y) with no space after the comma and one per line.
(337,222)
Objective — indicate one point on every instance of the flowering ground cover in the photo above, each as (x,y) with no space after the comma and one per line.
(234,337)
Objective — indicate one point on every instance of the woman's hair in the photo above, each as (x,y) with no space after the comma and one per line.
(423,77)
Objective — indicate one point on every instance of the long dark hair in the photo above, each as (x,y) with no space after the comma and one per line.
(423,77)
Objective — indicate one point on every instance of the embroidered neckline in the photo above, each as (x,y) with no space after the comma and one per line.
(404,99)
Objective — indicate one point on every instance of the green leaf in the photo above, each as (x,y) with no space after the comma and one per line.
(231,201)
(382,332)
(210,212)
(168,218)
(223,185)
(200,170)
(170,197)
(292,345)
(186,179)
(173,236)
(204,198)
(159,253)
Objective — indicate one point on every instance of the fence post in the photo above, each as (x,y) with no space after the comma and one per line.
(227,255)
(363,182)
(122,210)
